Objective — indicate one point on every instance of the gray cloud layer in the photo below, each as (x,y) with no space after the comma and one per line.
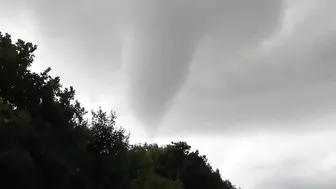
(162,45)
(154,43)
(286,86)
(82,34)
(166,35)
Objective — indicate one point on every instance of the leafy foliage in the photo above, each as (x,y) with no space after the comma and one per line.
(45,142)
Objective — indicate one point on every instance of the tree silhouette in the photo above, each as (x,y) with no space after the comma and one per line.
(45,142)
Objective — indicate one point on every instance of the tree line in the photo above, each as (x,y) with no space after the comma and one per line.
(47,143)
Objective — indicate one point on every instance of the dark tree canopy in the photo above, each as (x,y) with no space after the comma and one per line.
(46,143)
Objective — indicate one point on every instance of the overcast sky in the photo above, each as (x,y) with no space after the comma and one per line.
(250,83)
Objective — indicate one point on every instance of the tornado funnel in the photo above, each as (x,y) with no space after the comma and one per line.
(158,50)
(161,37)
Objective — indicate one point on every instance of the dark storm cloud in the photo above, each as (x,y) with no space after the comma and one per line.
(159,44)
(165,36)
(154,42)
(284,87)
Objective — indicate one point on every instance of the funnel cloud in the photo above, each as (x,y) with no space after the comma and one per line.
(161,39)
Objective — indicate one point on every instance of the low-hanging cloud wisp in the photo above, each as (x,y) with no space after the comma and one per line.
(160,40)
